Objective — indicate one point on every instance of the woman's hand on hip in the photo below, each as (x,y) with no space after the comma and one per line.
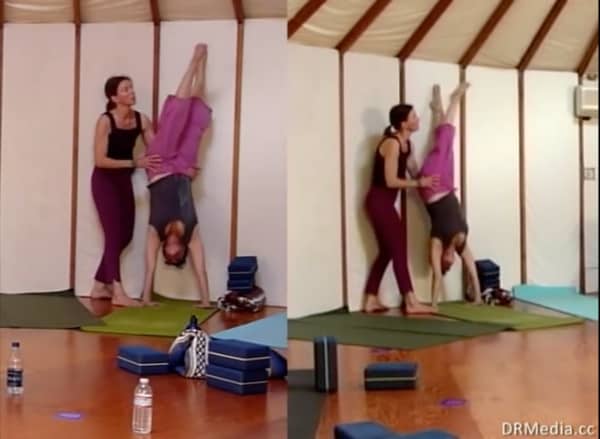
(430,181)
(150,162)
(192,172)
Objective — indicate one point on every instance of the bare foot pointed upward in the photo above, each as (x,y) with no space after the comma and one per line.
(460,90)
(200,51)
(436,101)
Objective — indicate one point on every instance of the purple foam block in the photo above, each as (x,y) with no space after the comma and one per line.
(69,416)
(453,402)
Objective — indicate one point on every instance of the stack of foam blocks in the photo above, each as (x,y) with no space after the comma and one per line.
(488,273)
(238,367)
(242,271)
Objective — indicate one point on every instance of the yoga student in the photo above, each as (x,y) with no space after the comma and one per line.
(173,223)
(116,133)
(393,157)
(449,228)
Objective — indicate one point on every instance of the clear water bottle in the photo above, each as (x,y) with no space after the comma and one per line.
(142,408)
(14,371)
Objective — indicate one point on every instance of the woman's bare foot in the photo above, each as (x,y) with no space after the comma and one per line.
(150,303)
(413,306)
(200,51)
(120,298)
(460,90)
(436,102)
(100,291)
(203,304)
(372,304)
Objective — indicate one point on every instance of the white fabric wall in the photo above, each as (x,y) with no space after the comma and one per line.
(420,76)
(314,246)
(261,221)
(492,169)
(552,178)
(590,187)
(109,49)
(371,88)
(37,146)
(212,187)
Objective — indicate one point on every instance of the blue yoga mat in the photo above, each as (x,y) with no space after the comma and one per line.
(270,331)
(563,299)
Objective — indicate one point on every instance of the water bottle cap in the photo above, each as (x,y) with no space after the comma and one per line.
(144,381)
(15,344)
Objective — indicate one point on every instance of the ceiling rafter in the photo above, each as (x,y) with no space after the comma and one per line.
(539,37)
(155,11)
(238,7)
(77,12)
(303,15)
(485,32)
(588,54)
(362,25)
(426,25)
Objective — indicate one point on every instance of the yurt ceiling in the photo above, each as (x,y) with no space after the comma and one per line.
(534,34)
(93,11)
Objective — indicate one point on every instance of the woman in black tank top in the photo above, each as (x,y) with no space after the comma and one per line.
(116,133)
(393,158)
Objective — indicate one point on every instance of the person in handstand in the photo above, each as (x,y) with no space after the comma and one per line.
(173,224)
(449,227)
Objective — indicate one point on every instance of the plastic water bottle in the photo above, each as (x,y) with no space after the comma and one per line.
(142,408)
(14,371)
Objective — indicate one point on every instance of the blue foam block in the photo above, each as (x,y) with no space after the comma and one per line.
(143,360)
(240,355)
(362,430)
(237,381)
(278,367)
(392,375)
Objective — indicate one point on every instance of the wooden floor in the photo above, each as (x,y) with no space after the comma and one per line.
(546,376)
(74,371)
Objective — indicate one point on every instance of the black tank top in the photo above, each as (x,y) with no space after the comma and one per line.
(171,199)
(378,178)
(122,141)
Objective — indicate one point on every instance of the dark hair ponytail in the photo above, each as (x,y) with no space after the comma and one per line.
(111,87)
(398,114)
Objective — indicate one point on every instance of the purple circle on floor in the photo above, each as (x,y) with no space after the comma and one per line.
(453,402)
(69,416)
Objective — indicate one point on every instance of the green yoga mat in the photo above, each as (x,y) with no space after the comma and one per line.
(386,331)
(513,319)
(563,299)
(44,311)
(167,319)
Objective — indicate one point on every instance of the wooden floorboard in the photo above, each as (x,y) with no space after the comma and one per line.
(546,376)
(74,371)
